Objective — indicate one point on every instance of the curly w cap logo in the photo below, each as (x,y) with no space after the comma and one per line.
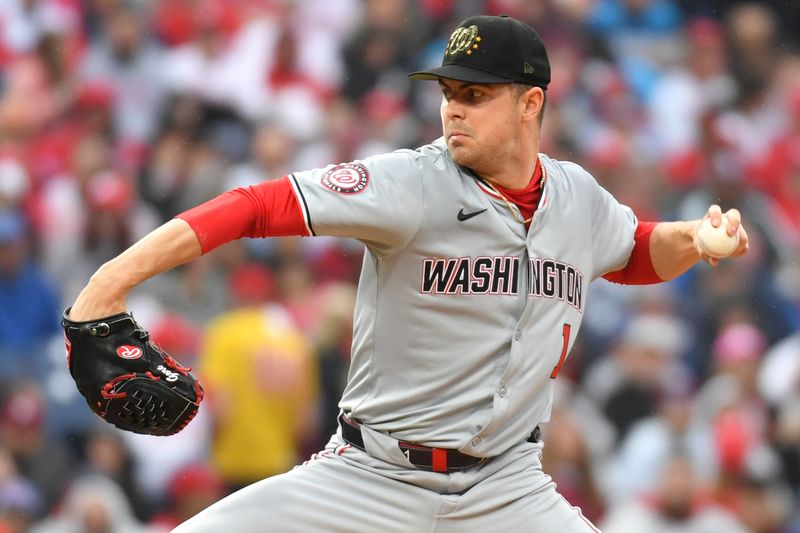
(127,351)
(463,40)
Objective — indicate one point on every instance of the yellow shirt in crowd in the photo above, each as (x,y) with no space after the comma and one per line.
(261,379)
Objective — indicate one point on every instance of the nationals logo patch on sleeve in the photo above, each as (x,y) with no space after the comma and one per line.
(347,178)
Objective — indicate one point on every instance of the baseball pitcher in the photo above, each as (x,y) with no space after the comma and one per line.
(479,253)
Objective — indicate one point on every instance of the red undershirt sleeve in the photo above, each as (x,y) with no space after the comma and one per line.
(269,209)
(639,270)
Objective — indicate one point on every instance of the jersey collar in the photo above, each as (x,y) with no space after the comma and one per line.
(543,180)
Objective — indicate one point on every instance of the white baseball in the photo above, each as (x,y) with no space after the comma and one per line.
(715,242)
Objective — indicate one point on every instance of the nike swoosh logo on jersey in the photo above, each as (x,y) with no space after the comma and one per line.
(462,216)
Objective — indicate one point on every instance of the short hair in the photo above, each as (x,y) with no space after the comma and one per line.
(521,88)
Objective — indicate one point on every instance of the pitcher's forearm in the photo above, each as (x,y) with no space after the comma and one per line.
(163,249)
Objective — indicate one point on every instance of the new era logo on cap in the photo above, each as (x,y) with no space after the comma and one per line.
(488,49)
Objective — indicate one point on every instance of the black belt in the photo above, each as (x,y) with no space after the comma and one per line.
(424,457)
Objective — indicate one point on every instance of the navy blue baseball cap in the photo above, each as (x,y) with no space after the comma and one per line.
(493,49)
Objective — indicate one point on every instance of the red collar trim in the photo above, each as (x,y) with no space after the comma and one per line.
(537,180)
(533,184)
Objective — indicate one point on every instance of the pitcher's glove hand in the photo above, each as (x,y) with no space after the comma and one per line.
(126,379)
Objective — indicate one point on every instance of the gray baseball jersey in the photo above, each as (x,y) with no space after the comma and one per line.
(462,321)
(463,317)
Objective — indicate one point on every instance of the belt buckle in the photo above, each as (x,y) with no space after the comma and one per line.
(439,458)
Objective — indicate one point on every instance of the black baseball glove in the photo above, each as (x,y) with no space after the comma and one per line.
(126,379)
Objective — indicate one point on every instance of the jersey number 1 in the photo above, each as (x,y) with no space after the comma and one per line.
(564,349)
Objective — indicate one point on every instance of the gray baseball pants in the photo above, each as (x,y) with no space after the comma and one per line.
(344,489)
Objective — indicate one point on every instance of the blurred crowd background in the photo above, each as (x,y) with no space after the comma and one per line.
(679,408)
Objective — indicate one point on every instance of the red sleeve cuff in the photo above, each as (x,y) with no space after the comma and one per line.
(269,209)
(639,270)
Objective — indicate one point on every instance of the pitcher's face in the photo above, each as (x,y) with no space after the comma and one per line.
(480,122)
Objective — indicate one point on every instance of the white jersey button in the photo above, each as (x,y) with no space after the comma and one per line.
(502,392)
(517,335)
(476,441)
